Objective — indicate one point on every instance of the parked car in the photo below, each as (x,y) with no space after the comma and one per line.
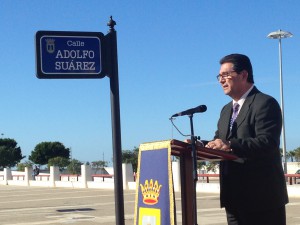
(298,172)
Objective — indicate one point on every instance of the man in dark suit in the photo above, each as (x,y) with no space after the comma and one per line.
(253,192)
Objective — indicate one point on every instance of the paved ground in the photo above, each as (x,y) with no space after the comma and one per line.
(43,206)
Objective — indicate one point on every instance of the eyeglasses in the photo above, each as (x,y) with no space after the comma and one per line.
(225,75)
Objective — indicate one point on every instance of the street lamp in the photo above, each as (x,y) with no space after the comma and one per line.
(279,35)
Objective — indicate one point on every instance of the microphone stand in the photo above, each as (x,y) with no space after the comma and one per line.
(195,174)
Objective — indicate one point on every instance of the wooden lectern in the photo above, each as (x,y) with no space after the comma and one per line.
(183,150)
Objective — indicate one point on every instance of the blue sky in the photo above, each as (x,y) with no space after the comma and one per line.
(168,54)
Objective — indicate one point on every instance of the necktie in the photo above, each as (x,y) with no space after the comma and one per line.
(234,114)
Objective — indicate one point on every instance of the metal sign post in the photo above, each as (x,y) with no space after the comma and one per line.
(112,54)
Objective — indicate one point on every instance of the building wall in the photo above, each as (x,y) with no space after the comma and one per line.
(292,167)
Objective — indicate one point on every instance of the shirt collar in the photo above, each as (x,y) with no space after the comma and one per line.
(243,98)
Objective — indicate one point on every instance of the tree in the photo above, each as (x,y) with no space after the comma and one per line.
(200,165)
(291,155)
(21,166)
(131,156)
(74,167)
(212,166)
(10,154)
(97,165)
(297,154)
(61,162)
(47,150)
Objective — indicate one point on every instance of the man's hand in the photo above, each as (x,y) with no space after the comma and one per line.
(219,145)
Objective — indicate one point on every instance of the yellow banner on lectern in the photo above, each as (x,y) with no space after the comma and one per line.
(154,202)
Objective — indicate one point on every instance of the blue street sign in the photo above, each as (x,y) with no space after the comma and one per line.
(62,54)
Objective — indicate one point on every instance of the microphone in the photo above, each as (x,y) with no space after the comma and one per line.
(198,109)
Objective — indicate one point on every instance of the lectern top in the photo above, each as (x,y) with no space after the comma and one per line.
(203,154)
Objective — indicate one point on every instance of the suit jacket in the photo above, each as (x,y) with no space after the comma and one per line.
(258,183)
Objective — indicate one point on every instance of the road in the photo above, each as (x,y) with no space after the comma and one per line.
(43,206)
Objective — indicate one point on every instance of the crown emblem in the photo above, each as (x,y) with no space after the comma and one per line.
(150,192)
(50,45)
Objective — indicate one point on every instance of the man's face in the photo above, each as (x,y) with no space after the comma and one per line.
(230,81)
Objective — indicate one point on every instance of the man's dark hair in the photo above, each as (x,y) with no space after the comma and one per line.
(240,62)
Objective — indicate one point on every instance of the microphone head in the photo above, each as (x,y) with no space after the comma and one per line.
(198,109)
(201,108)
